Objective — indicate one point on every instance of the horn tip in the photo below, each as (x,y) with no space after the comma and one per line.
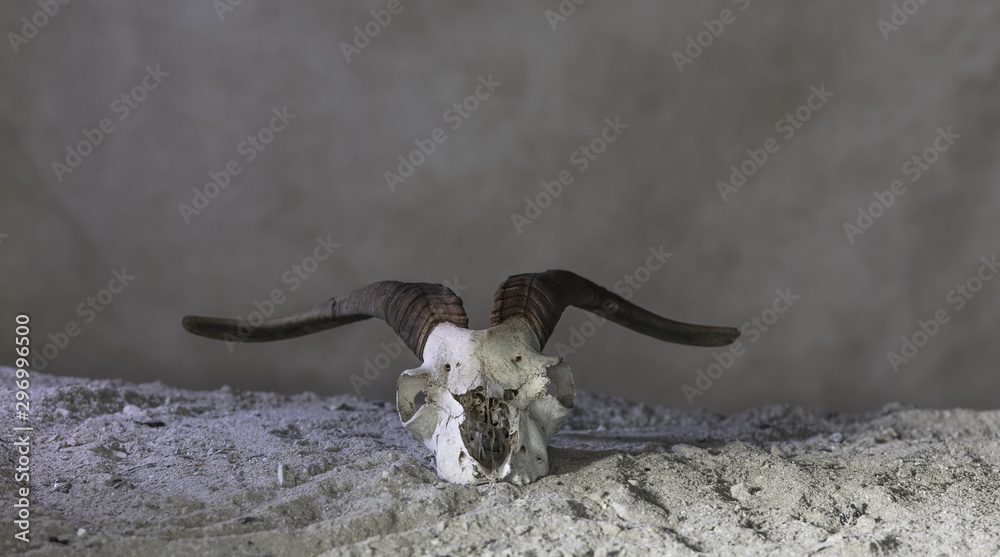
(193,324)
(730,335)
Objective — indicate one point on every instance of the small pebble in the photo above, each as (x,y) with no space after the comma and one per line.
(623,511)
(688,451)
(740,492)
(286,478)
(61,486)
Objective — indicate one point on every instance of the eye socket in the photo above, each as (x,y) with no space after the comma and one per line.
(517,359)
(447,367)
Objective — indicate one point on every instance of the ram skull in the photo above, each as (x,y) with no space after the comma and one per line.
(488,415)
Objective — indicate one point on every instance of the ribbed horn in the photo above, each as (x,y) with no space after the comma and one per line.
(412,309)
(540,298)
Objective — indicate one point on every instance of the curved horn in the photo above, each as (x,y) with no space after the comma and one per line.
(540,299)
(412,309)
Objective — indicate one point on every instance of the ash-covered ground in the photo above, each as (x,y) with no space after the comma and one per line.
(127,469)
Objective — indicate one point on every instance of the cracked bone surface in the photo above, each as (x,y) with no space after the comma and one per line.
(488,415)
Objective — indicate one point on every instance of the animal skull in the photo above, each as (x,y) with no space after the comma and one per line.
(487,415)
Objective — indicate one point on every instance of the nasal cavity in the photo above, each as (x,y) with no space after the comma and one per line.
(486,427)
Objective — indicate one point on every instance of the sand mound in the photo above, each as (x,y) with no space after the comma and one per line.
(127,469)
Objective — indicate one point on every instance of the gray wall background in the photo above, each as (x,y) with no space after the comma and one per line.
(655,185)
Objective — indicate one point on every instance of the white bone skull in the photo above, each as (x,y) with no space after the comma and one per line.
(488,415)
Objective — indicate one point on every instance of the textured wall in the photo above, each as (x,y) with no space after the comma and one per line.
(65,231)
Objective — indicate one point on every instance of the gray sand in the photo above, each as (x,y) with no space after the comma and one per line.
(127,469)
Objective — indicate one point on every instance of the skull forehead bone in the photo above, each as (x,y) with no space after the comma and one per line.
(487,414)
